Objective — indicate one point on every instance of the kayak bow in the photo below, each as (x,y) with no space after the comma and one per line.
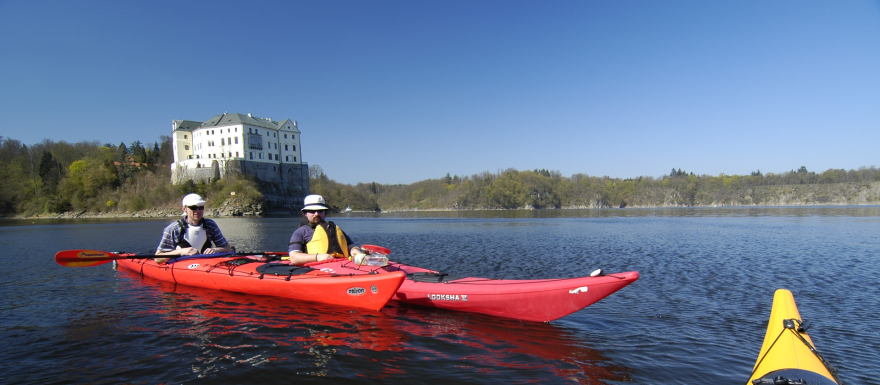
(538,300)
(788,355)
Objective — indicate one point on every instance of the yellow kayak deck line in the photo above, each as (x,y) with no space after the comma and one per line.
(788,353)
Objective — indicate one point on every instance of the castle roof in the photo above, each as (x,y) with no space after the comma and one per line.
(236,119)
(186,125)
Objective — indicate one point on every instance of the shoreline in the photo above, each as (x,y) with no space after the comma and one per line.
(220,213)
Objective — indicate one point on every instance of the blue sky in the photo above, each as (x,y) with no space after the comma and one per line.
(402,91)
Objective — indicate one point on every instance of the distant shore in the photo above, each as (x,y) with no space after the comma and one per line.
(226,213)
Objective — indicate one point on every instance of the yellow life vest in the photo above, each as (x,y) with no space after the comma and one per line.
(330,239)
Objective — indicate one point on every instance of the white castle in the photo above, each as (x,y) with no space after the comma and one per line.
(235,143)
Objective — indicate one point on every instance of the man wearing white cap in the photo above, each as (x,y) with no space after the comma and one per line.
(193,235)
(319,240)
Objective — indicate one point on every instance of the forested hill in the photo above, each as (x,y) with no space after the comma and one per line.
(535,189)
(88,178)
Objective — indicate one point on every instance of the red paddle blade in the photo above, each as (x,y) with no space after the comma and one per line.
(376,249)
(84,258)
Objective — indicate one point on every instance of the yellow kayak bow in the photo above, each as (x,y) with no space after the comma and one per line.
(788,356)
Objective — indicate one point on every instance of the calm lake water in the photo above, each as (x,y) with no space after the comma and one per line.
(697,315)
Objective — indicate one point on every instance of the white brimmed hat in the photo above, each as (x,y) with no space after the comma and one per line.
(193,200)
(314,202)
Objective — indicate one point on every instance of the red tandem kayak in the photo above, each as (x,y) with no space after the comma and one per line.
(245,275)
(541,300)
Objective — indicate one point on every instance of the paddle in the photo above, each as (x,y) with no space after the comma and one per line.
(376,249)
(87,258)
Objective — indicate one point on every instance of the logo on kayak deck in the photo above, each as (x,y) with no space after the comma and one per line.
(356,291)
(448,297)
(328,270)
(193,266)
(374,289)
(582,289)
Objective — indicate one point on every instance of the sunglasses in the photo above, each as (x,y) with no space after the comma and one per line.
(312,211)
(194,208)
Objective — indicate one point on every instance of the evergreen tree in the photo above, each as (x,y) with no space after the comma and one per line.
(122,153)
(49,171)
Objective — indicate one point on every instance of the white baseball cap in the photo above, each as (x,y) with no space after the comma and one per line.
(193,200)
(314,202)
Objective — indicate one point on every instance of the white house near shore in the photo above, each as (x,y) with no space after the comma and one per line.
(267,149)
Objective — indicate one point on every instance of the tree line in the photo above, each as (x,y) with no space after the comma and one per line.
(542,189)
(57,177)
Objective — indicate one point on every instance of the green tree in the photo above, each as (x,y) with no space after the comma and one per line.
(50,173)
(166,150)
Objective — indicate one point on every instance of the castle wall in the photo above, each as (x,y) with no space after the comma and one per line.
(286,184)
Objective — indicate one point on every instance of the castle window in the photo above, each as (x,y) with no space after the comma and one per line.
(186,147)
(286,147)
(294,147)
(236,140)
(285,135)
(222,141)
(294,159)
(184,136)
(252,155)
(236,154)
(255,143)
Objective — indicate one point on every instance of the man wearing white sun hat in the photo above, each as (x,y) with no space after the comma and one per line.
(319,240)
(192,235)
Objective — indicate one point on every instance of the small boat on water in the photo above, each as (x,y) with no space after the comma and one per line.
(248,275)
(541,300)
(788,356)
